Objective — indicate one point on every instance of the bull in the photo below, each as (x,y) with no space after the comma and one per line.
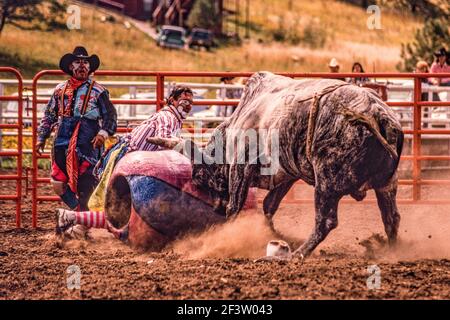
(340,138)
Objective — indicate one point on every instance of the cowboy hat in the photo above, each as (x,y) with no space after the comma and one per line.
(333,63)
(78,53)
(441,52)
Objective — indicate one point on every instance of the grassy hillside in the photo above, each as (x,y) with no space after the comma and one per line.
(343,26)
(341,21)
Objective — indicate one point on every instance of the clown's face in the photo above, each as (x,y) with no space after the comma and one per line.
(183,103)
(80,69)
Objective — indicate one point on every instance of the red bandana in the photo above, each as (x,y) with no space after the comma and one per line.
(70,87)
(75,83)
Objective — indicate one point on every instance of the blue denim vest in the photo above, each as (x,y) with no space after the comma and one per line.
(89,126)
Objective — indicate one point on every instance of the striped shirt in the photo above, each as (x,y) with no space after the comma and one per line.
(165,123)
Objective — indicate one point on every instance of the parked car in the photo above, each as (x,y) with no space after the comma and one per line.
(200,38)
(171,37)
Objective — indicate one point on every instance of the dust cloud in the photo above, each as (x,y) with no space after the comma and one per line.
(244,237)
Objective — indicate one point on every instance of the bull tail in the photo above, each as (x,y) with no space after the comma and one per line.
(390,138)
(394,138)
(399,138)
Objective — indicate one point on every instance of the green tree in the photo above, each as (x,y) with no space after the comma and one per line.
(425,8)
(434,35)
(32,14)
(204,14)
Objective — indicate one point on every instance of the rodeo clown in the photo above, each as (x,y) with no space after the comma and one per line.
(165,123)
(83,118)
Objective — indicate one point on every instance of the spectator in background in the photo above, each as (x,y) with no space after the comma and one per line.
(224,94)
(241,81)
(422,67)
(358,68)
(440,66)
(334,67)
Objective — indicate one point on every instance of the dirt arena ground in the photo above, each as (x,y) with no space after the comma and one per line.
(219,264)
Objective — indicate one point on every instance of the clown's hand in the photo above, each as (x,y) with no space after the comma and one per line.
(98,141)
(40,145)
(164,142)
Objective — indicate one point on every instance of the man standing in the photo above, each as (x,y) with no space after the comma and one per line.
(334,68)
(224,94)
(441,66)
(83,118)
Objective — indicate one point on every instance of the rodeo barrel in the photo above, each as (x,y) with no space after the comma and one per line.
(151,199)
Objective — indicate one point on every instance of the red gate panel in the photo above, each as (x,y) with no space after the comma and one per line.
(17,176)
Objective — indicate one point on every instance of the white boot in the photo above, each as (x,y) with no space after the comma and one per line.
(65,220)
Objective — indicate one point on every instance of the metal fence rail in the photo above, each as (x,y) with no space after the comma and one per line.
(17,153)
(416,132)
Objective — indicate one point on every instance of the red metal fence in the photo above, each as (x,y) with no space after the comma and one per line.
(416,131)
(17,177)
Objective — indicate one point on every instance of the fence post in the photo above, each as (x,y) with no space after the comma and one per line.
(20,90)
(417,126)
(1,117)
(18,154)
(34,160)
(159,92)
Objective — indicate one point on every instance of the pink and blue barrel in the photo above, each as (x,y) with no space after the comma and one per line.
(152,199)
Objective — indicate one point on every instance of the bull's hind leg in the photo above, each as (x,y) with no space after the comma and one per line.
(326,204)
(387,203)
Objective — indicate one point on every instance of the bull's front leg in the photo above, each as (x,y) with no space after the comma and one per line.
(273,199)
(326,204)
(239,183)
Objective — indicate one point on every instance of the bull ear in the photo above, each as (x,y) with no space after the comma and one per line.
(166,143)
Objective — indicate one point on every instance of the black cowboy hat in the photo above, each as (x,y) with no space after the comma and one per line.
(78,53)
(441,52)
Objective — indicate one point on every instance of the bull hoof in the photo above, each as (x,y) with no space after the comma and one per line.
(298,254)
(301,257)
(393,243)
